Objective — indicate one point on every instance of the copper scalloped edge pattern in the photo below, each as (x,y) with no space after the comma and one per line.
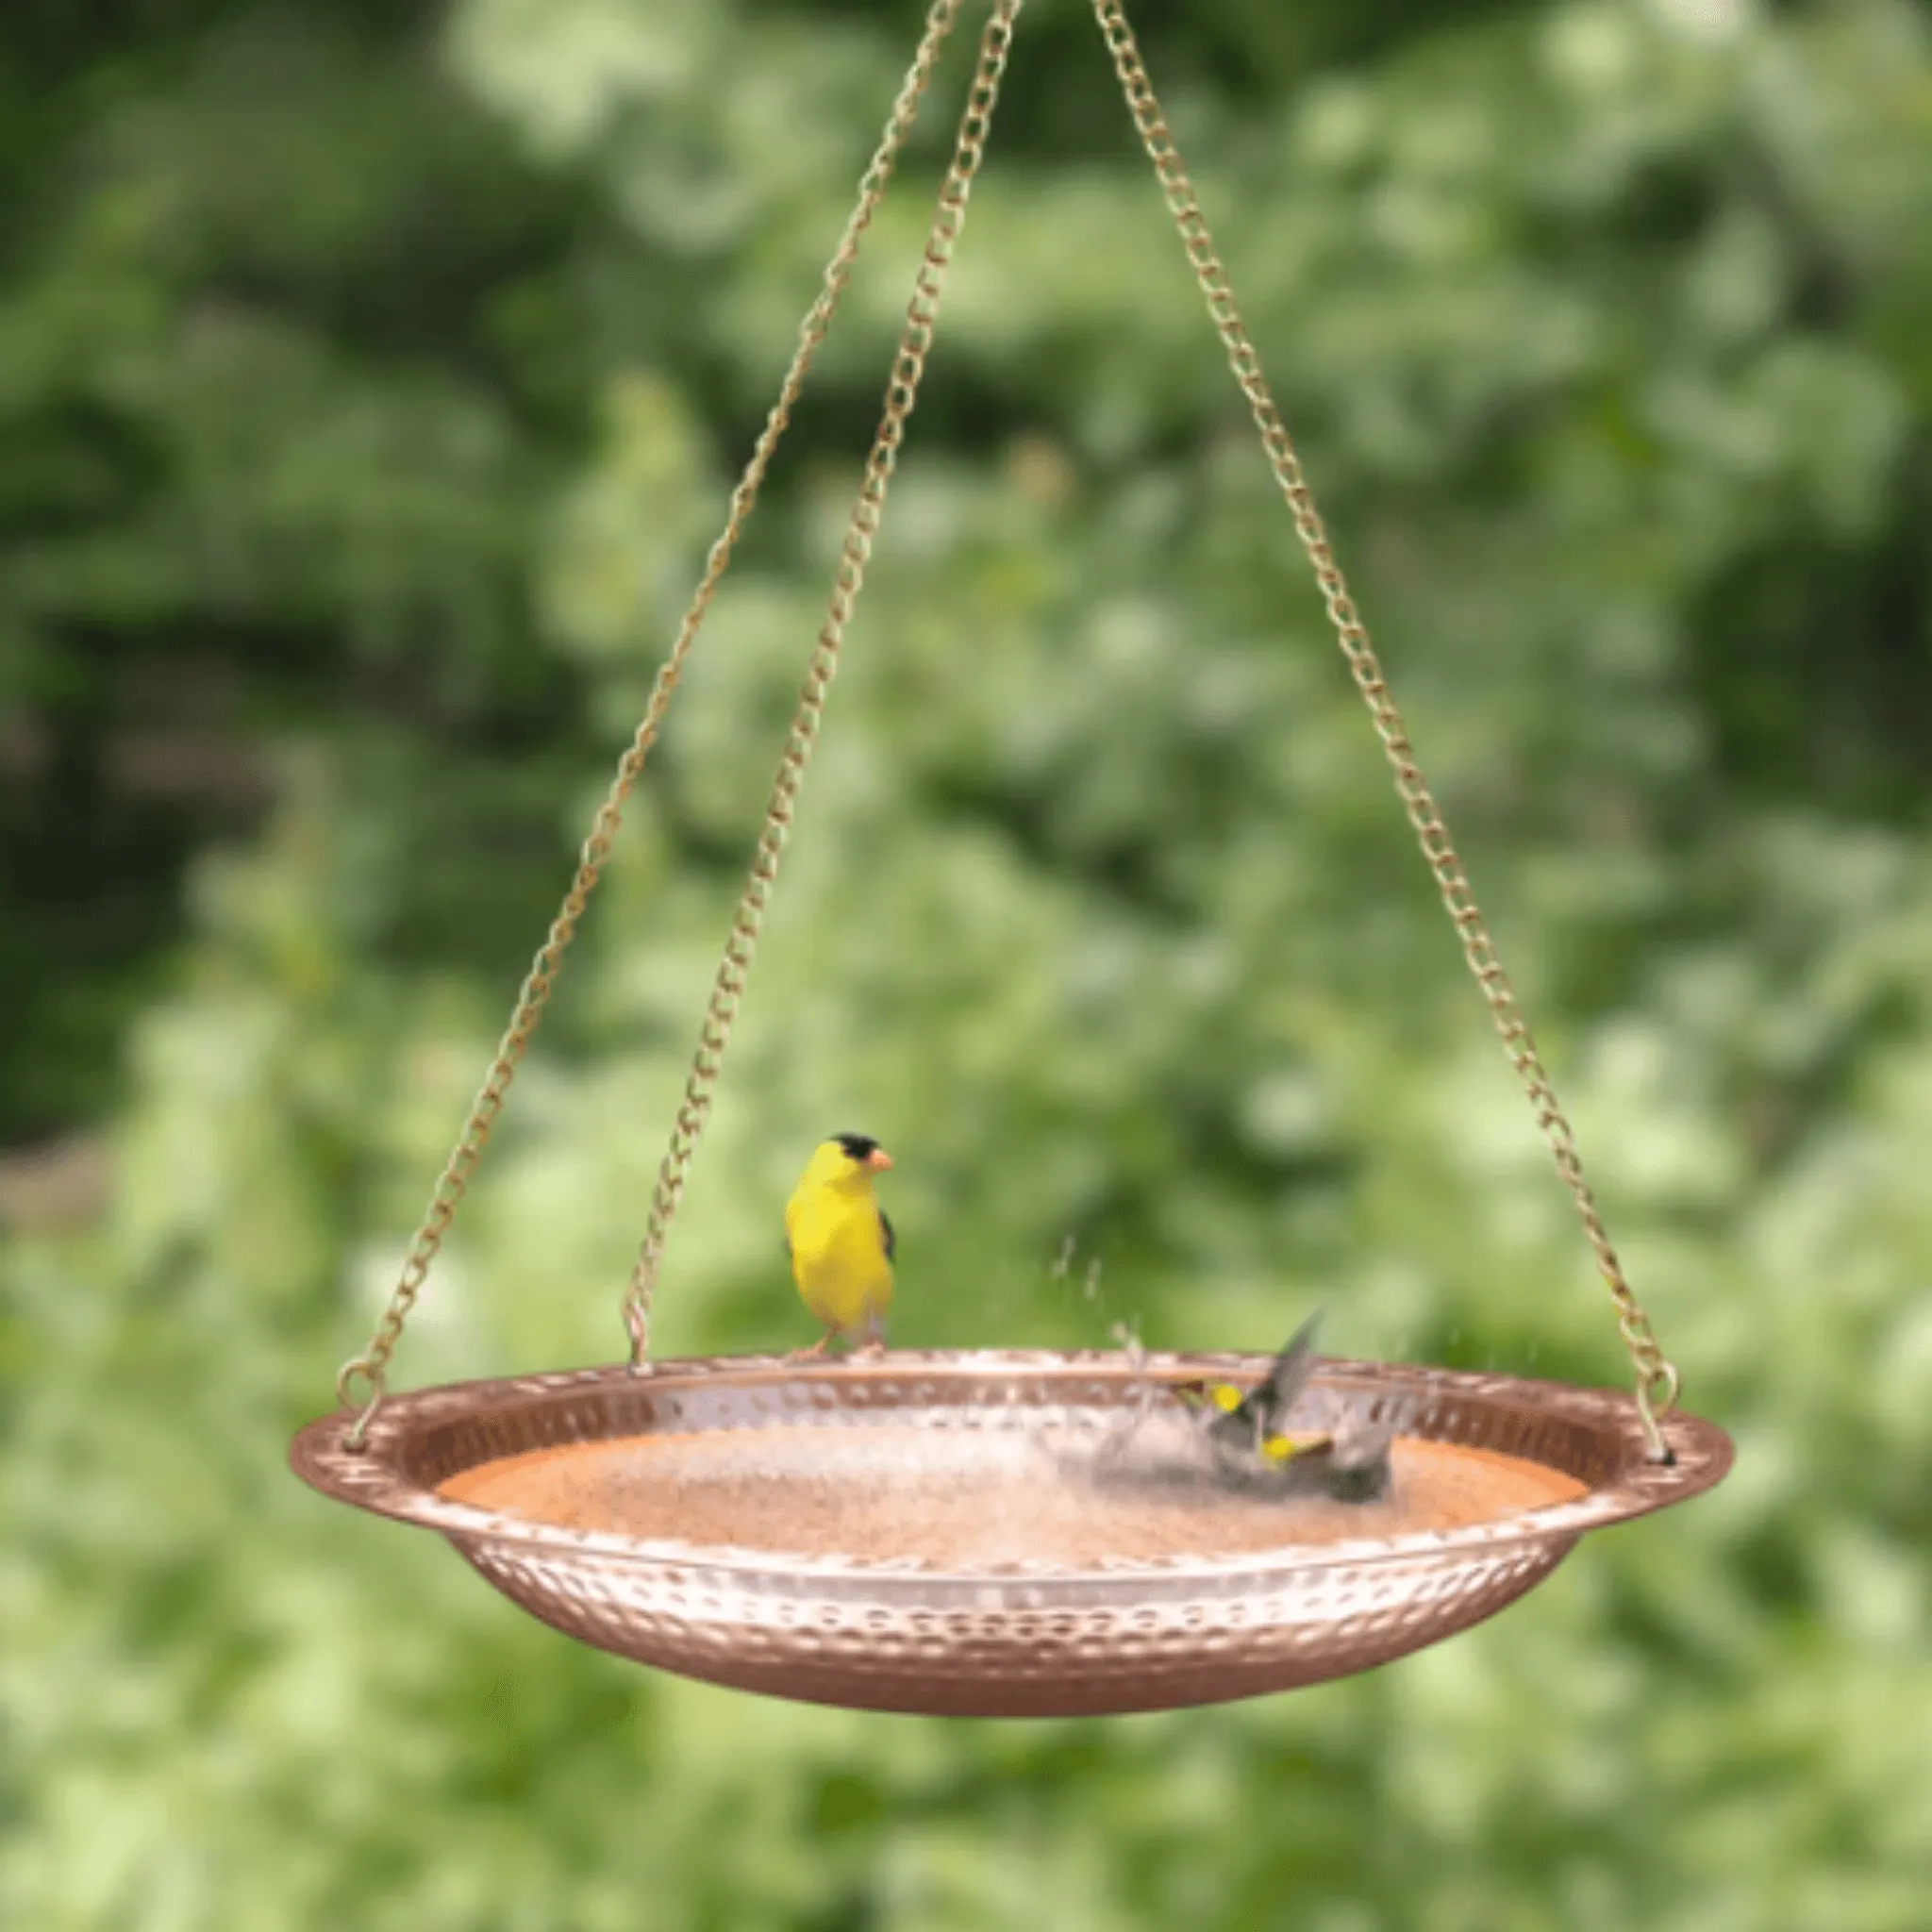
(1032,1640)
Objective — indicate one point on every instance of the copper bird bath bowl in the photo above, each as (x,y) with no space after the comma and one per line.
(928,1533)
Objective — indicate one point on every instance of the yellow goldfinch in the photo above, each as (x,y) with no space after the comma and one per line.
(1248,1433)
(1272,1449)
(1252,1425)
(841,1242)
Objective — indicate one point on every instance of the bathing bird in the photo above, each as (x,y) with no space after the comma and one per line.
(1252,1423)
(1249,1435)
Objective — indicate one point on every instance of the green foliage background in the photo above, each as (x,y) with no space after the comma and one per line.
(370,387)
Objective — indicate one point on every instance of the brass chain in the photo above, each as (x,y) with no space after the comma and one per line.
(371,1366)
(901,392)
(1656,1377)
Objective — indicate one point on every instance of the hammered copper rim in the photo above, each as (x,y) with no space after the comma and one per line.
(425,1437)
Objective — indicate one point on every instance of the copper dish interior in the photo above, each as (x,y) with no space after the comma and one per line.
(996,1534)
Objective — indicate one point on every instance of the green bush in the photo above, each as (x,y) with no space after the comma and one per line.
(416,379)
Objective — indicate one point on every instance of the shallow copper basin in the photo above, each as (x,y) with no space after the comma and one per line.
(932,1532)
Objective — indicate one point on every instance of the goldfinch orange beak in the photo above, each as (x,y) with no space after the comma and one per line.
(878,1158)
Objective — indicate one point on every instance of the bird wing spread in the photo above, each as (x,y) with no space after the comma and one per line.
(1267,1405)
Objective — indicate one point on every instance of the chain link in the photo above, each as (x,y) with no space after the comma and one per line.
(902,390)
(1657,1379)
(369,1369)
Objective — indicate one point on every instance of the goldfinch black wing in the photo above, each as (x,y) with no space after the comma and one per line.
(891,1239)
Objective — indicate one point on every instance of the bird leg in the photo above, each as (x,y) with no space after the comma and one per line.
(815,1351)
(875,1342)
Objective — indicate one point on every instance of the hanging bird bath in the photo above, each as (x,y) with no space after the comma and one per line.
(946,1533)
(898,1534)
